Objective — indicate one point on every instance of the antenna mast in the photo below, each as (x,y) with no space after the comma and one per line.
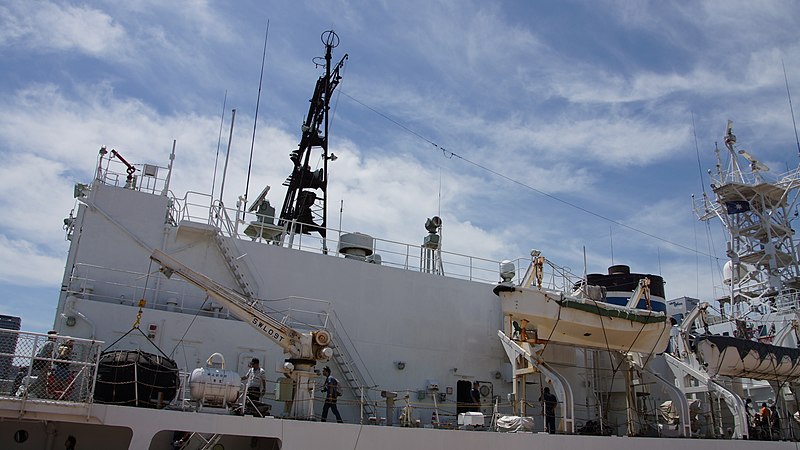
(302,203)
(255,121)
(757,215)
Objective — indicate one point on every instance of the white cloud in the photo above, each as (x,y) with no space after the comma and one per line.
(490,87)
(45,120)
(34,190)
(27,265)
(50,27)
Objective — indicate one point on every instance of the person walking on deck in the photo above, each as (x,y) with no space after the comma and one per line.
(332,392)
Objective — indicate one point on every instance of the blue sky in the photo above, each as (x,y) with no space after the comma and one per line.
(586,104)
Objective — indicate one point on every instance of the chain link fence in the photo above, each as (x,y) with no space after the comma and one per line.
(47,367)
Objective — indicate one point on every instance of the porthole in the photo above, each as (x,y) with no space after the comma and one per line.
(20,436)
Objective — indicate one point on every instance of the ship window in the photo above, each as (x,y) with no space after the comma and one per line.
(20,436)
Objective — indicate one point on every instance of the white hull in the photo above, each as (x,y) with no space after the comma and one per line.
(585,323)
(117,427)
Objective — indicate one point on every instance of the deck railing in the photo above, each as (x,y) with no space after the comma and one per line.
(233,220)
(92,282)
(47,367)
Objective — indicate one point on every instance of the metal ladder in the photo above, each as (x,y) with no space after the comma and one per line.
(207,443)
(637,361)
(232,256)
(353,377)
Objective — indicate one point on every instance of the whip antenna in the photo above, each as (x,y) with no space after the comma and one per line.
(255,121)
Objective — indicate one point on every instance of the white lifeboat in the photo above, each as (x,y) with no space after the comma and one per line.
(735,357)
(584,322)
(586,317)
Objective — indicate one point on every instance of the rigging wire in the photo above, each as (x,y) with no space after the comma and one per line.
(697,261)
(694,224)
(336,101)
(697,151)
(788,94)
(188,327)
(711,261)
(450,155)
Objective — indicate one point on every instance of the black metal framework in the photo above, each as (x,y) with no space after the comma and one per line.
(306,193)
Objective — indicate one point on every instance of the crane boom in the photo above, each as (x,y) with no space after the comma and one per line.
(307,346)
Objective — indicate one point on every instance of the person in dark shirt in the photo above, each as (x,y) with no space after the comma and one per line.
(475,393)
(550,402)
(775,418)
(332,392)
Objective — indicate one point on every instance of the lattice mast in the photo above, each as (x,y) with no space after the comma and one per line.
(757,214)
(305,205)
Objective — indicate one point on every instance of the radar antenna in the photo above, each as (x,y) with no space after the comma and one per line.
(755,165)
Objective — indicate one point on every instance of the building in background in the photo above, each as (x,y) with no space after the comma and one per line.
(8,344)
(678,308)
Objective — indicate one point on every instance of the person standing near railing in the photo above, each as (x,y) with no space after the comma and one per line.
(550,402)
(41,364)
(62,377)
(256,379)
(775,420)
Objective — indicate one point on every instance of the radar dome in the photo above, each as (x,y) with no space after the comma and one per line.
(742,271)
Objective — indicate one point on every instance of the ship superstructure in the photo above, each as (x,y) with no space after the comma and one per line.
(757,210)
(418,340)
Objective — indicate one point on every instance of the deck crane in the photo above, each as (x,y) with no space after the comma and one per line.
(302,349)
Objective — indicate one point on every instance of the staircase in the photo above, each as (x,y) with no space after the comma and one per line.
(353,379)
(238,269)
